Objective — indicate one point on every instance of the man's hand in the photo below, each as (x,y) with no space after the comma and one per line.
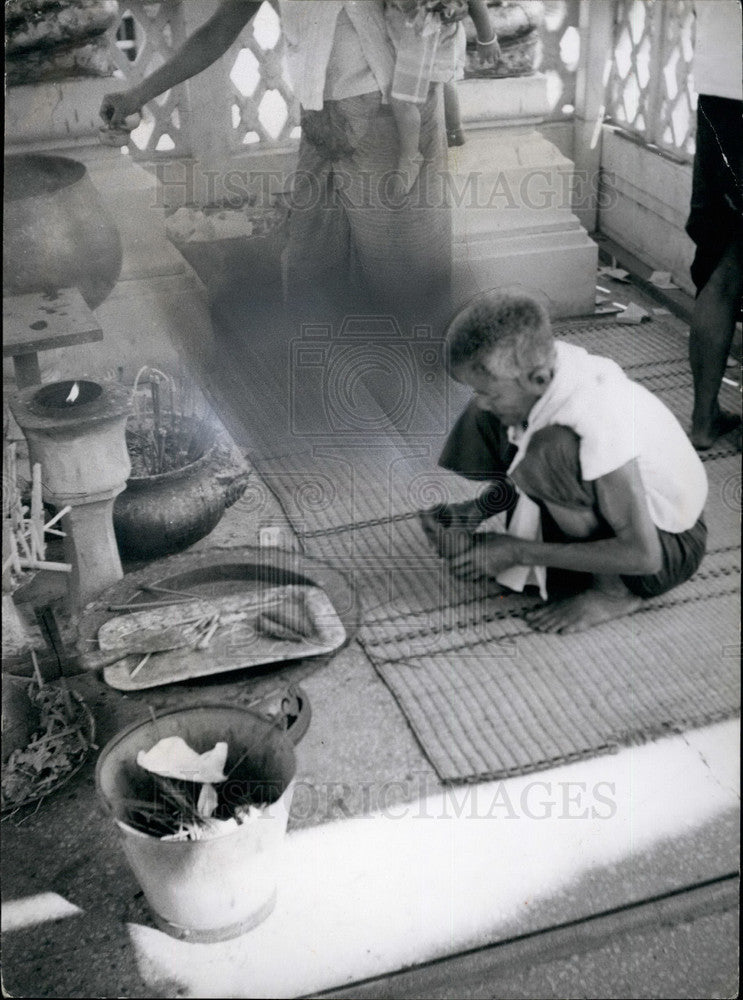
(116,108)
(451,527)
(489,555)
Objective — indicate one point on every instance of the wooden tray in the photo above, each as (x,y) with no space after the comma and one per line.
(212,575)
(232,647)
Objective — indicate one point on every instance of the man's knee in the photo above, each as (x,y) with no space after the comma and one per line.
(554,443)
(550,469)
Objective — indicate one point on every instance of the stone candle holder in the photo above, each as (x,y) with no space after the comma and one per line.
(76,431)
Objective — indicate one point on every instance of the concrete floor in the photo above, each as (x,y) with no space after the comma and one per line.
(366,888)
(364,895)
(631,953)
(563,906)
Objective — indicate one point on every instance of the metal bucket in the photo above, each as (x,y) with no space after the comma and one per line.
(219,888)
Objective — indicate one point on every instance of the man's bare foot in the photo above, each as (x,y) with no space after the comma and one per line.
(576,614)
(722,423)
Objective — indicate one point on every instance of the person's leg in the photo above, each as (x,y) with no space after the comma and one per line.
(710,336)
(683,553)
(452,113)
(550,473)
(714,224)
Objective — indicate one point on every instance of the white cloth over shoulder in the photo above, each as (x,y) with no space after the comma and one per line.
(617,420)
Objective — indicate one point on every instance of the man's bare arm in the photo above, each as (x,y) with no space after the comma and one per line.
(198,52)
(633,551)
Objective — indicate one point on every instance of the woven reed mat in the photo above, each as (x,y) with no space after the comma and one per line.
(390,468)
(485,696)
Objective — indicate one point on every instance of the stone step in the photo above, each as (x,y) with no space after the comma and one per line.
(560,264)
(473,225)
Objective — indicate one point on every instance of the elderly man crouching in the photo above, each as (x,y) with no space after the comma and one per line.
(610,490)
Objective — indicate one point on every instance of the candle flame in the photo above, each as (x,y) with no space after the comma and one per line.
(73,393)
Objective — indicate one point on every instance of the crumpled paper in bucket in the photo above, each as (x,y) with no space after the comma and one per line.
(172,757)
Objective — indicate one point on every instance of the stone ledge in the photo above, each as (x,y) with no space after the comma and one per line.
(479,225)
(55,113)
(490,103)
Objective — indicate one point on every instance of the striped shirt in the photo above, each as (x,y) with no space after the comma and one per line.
(316,53)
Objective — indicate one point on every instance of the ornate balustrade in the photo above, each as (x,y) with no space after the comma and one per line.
(651,90)
(247,91)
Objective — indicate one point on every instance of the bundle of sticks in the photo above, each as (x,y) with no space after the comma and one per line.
(24,525)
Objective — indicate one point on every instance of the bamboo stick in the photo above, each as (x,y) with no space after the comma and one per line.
(37,672)
(152,589)
(11,476)
(55,567)
(147,606)
(23,544)
(142,662)
(37,514)
(57,517)
(12,558)
(213,626)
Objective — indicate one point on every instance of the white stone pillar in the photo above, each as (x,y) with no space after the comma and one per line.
(596,55)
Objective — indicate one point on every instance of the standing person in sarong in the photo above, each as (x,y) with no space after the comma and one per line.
(353,246)
(716,217)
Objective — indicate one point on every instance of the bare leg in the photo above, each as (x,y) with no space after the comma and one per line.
(607,598)
(454,133)
(710,336)
(408,118)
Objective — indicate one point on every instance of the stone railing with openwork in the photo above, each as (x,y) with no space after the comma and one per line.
(242,104)
(248,95)
(651,89)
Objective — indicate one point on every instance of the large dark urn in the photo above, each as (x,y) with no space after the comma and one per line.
(57,232)
(158,515)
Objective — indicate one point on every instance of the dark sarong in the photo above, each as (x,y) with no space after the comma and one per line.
(716,213)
